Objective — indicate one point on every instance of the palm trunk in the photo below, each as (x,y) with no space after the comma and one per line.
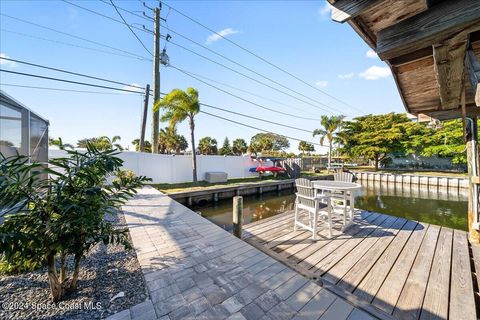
(56,289)
(194,155)
(329,155)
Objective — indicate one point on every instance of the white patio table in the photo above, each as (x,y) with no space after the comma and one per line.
(341,189)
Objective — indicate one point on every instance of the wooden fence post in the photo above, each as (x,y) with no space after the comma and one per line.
(237,216)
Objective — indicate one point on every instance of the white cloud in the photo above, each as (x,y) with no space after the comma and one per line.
(325,10)
(6,63)
(346,76)
(133,87)
(371,54)
(217,36)
(322,83)
(375,73)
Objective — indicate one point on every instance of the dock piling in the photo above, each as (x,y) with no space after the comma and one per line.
(237,216)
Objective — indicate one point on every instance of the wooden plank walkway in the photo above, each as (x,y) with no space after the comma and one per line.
(388,266)
(194,269)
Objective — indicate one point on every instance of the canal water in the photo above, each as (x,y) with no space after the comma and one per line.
(440,206)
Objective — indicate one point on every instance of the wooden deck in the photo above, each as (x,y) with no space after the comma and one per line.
(389,266)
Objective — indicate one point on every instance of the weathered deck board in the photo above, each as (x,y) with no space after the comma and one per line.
(409,304)
(358,272)
(387,296)
(462,301)
(390,267)
(369,286)
(435,303)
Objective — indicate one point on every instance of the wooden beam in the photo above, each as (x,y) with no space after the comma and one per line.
(431,3)
(411,57)
(429,27)
(448,58)
(471,111)
(344,10)
(472,66)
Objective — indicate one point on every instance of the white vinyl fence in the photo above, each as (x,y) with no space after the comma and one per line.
(175,169)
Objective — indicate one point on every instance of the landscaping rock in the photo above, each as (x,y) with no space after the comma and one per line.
(106,272)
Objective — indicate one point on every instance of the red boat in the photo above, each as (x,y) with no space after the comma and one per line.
(261,169)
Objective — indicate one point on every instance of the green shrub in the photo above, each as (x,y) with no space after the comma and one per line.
(63,215)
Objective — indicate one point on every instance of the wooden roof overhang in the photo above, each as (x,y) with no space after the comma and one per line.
(431,46)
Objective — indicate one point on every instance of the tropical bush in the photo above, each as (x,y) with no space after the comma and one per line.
(58,211)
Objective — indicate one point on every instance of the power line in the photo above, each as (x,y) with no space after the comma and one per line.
(258,57)
(252,70)
(125,90)
(252,117)
(240,98)
(247,76)
(57,89)
(255,128)
(247,92)
(68,81)
(74,36)
(128,11)
(72,45)
(100,14)
(69,72)
(130,28)
(114,93)
(206,48)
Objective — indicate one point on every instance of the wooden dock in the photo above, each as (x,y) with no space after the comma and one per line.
(392,267)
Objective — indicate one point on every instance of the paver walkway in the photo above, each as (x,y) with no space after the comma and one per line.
(196,270)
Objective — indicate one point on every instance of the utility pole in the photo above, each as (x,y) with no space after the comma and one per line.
(144,119)
(156,78)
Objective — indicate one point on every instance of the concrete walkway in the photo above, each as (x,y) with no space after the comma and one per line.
(196,270)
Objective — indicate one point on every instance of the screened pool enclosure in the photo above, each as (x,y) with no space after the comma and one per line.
(21,130)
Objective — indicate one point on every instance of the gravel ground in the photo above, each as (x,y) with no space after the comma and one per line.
(105,272)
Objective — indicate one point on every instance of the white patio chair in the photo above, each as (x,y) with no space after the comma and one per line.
(343,176)
(315,205)
(340,197)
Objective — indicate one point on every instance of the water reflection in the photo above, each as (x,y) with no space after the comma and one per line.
(441,206)
(254,208)
(436,205)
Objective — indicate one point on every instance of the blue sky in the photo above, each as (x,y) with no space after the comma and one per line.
(297,36)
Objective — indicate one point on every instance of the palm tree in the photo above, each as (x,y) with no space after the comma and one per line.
(170,141)
(330,125)
(207,146)
(180,105)
(101,143)
(59,143)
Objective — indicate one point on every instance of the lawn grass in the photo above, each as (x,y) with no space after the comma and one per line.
(203,185)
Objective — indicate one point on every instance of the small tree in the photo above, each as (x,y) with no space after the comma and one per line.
(59,143)
(330,125)
(170,141)
(225,150)
(262,142)
(182,105)
(239,147)
(374,137)
(305,146)
(52,218)
(147,146)
(101,143)
(208,146)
